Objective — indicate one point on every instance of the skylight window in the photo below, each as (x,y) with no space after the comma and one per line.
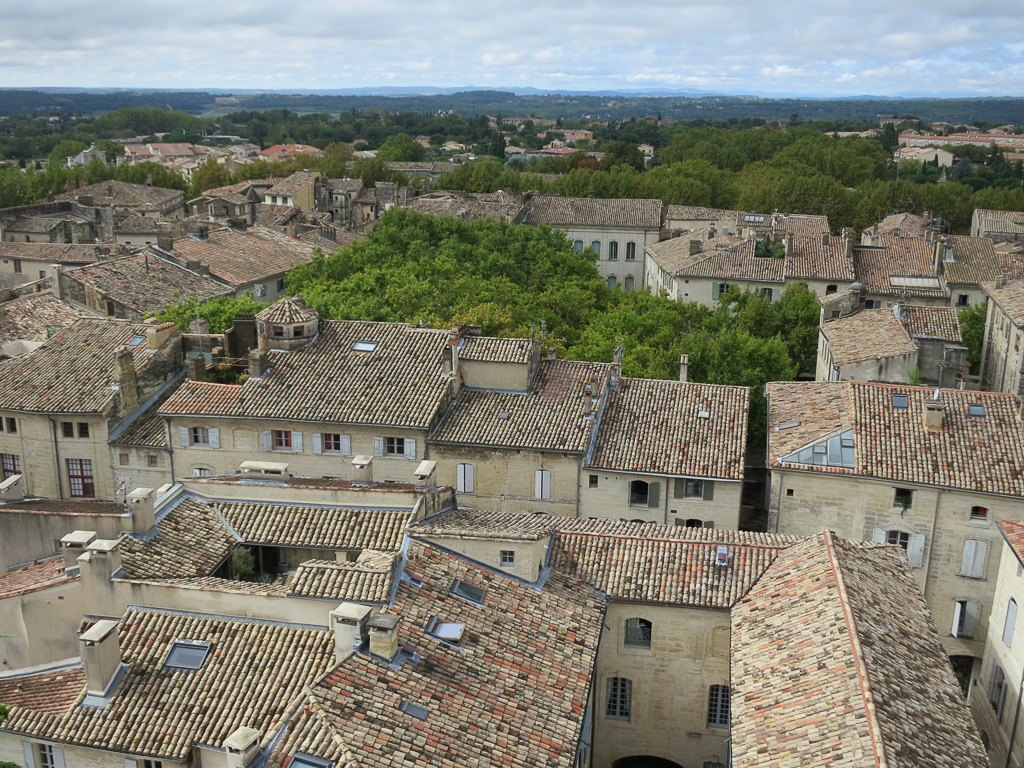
(900,402)
(302,760)
(787,425)
(187,655)
(835,451)
(977,410)
(136,340)
(365,346)
(468,592)
(413,710)
(449,631)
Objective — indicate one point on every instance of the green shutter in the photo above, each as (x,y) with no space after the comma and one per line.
(714,291)
(679,491)
(653,492)
(709,490)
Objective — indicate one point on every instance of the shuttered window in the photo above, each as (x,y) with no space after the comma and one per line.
(972,563)
(542,484)
(464,479)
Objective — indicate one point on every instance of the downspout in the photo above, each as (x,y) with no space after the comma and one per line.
(170,443)
(931,542)
(56,451)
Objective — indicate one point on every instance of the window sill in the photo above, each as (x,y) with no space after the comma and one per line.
(972,578)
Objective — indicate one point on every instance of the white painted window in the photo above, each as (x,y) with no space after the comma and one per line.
(508,557)
(332,442)
(972,563)
(965,618)
(542,484)
(1009,622)
(465,479)
(913,543)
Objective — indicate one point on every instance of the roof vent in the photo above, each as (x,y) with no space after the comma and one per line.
(413,710)
(722,556)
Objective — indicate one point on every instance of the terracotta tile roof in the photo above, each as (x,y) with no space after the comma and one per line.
(401,383)
(798,224)
(974,261)
(1009,298)
(811,258)
(836,661)
(870,334)
(656,426)
(1011,259)
(738,262)
(972,453)
(499,205)
(293,183)
(239,258)
(51,692)
(345,185)
(254,670)
(902,223)
(306,526)
(57,253)
(148,429)
(698,213)
(74,370)
(65,507)
(880,268)
(1003,222)
(22,579)
(494,350)
(35,317)
(192,540)
(135,224)
(936,322)
(146,283)
(37,223)
(287,312)
(367,580)
(533,647)
(123,195)
(557,414)
(1013,532)
(582,211)
(675,255)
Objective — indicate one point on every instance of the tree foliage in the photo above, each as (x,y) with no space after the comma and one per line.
(218,313)
(401,148)
(972,329)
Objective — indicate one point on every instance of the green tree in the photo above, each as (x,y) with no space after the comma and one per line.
(243,563)
(209,175)
(496,146)
(972,329)
(60,154)
(401,148)
(622,153)
(219,313)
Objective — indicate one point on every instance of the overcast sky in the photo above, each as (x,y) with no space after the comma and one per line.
(728,46)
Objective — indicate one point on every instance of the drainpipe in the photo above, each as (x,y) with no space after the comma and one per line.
(56,451)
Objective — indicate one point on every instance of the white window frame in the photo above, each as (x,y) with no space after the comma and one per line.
(40,755)
(965,618)
(332,442)
(199,436)
(508,557)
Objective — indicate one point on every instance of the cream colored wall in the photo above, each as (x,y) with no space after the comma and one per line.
(34,443)
(854,507)
(1004,352)
(240,441)
(506,376)
(699,289)
(27,537)
(621,268)
(689,653)
(823,368)
(40,627)
(657,279)
(137,473)
(530,555)
(610,501)
(1009,584)
(504,480)
(74,756)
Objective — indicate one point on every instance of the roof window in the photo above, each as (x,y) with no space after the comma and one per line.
(136,340)
(449,631)
(703,414)
(469,592)
(302,760)
(834,451)
(187,655)
(788,425)
(365,346)
(413,710)
(976,409)
(900,402)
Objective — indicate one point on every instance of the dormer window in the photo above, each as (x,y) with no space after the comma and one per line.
(469,592)
(187,655)
(413,710)
(449,631)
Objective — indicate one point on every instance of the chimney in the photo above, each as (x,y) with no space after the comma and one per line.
(362,469)
(13,488)
(454,337)
(142,504)
(164,237)
(149,179)
(73,545)
(695,247)
(102,559)
(384,635)
(934,410)
(824,240)
(616,371)
(124,365)
(85,201)
(101,654)
(684,367)
(203,232)
(350,624)
(55,283)
(192,265)
(156,335)
(257,364)
(241,747)
(196,368)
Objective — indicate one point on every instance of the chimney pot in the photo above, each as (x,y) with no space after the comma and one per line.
(350,624)
(684,367)
(384,635)
(101,654)
(142,503)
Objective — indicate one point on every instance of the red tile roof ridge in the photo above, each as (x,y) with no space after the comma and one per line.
(723,542)
(870,710)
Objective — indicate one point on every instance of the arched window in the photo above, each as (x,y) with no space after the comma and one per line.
(628,283)
(596,246)
(618,701)
(611,281)
(630,251)
(638,633)
(638,492)
(578,246)
(718,706)
(613,250)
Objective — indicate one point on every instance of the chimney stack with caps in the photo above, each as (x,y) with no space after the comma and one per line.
(13,488)
(127,379)
(164,238)
(695,247)
(384,635)
(684,367)
(616,370)
(241,747)
(142,504)
(350,622)
(101,655)
(196,368)
(934,411)
(73,544)
(257,363)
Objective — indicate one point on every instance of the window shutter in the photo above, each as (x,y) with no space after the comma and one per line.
(465,478)
(296,442)
(538,484)
(679,489)
(410,448)
(915,550)
(715,289)
(971,611)
(346,445)
(709,490)
(318,443)
(128,763)
(30,758)
(653,493)
(1011,620)
(958,609)
(58,757)
(183,437)
(547,484)
(879,535)
(973,562)
(378,445)
(214,437)
(266,441)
